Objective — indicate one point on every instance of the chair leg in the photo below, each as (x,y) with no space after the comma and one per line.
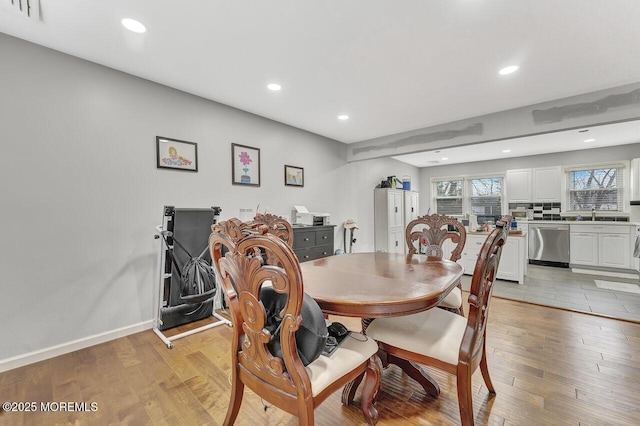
(370,389)
(237,391)
(464,396)
(485,371)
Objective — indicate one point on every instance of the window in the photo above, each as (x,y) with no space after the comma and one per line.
(486,198)
(449,197)
(481,196)
(598,188)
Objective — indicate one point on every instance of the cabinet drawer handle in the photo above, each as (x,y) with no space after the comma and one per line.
(306,256)
(324,237)
(324,253)
(306,239)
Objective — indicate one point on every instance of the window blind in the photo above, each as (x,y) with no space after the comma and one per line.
(449,197)
(599,188)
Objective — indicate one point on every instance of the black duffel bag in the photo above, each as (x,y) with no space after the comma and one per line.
(312,335)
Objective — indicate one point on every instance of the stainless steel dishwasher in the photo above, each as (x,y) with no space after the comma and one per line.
(549,244)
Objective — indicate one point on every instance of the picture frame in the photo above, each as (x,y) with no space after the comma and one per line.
(176,154)
(293,175)
(245,165)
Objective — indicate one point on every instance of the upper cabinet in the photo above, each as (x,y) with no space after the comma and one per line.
(534,185)
(519,186)
(547,184)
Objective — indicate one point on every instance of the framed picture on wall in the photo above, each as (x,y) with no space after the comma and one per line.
(176,154)
(245,165)
(293,176)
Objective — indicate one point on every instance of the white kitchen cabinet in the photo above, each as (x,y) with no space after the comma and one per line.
(512,261)
(614,250)
(547,184)
(583,248)
(389,220)
(471,252)
(411,206)
(607,246)
(519,186)
(396,243)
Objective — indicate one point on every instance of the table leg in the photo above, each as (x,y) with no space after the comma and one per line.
(414,371)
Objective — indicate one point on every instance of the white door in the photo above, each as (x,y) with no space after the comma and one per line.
(395,208)
(547,184)
(410,206)
(519,186)
(614,250)
(396,240)
(584,248)
(509,268)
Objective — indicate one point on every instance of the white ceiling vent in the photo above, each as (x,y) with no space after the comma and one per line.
(27,8)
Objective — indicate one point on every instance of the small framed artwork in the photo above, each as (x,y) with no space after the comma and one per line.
(176,154)
(245,165)
(293,176)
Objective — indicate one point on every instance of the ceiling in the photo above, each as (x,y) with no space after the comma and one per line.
(391,66)
(571,140)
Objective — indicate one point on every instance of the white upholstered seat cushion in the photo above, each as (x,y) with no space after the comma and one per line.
(351,353)
(436,333)
(453,299)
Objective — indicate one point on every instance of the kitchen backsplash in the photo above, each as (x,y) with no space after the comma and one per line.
(551,211)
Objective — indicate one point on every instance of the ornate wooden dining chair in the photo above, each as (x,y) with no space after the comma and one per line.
(430,232)
(281,379)
(278,226)
(447,341)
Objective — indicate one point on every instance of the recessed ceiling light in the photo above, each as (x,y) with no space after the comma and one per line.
(589,140)
(133,25)
(444,158)
(274,87)
(343,117)
(506,150)
(508,70)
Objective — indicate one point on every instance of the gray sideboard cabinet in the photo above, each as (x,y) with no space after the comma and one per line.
(313,242)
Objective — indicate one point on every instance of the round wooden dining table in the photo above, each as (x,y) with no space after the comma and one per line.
(374,285)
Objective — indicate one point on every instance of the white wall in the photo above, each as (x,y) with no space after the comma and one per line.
(80,192)
(586,156)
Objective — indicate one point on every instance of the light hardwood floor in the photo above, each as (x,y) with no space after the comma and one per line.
(549,367)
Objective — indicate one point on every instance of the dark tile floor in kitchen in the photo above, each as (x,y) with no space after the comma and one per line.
(562,288)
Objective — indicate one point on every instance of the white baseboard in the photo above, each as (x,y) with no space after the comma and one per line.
(65,348)
(630,276)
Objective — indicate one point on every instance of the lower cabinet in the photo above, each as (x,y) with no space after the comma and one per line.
(512,261)
(607,246)
(583,248)
(312,242)
(614,251)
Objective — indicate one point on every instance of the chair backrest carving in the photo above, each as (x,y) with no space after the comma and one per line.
(277,226)
(481,289)
(242,273)
(434,230)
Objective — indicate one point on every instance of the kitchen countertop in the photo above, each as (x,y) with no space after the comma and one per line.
(523,234)
(578,222)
